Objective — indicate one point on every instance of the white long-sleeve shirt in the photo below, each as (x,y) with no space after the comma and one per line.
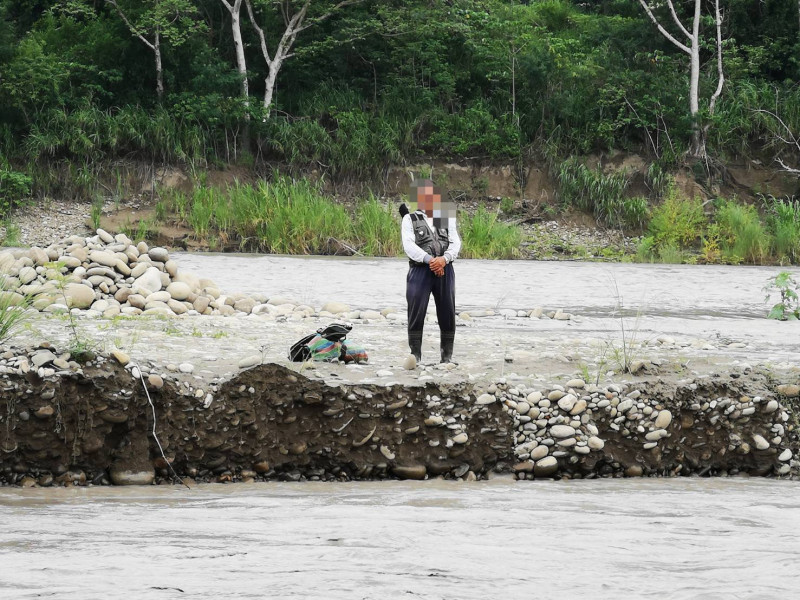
(419,255)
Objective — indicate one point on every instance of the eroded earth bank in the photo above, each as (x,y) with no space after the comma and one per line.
(95,423)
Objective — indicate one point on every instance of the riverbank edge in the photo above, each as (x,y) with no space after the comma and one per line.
(104,423)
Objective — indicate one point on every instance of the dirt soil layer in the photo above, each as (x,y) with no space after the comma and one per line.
(102,423)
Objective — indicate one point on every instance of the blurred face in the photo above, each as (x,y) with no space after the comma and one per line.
(429,199)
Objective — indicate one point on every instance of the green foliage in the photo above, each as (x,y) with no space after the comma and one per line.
(601,194)
(10,233)
(743,237)
(489,79)
(788,308)
(14,187)
(13,307)
(377,226)
(784,224)
(677,222)
(483,236)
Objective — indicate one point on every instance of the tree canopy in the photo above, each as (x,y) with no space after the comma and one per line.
(368,83)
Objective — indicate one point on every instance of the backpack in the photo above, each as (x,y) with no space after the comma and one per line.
(327,344)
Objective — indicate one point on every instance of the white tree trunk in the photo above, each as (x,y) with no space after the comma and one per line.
(159,69)
(693,50)
(269,84)
(235,10)
(238,45)
(694,83)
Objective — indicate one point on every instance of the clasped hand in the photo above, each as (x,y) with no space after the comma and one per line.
(437,265)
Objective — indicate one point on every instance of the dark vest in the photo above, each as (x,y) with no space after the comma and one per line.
(433,243)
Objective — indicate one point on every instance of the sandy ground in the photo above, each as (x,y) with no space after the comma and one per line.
(535,349)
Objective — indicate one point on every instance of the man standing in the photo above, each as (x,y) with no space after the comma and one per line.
(431,241)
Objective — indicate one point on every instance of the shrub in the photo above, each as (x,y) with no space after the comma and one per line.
(788,308)
(677,222)
(483,236)
(742,236)
(784,222)
(14,186)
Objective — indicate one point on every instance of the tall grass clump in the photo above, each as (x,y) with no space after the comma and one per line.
(378,229)
(743,237)
(283,216)
(601,194)
(12,310)
(483,236)
(784,224)
(675,225)
(201,215)
(298,219)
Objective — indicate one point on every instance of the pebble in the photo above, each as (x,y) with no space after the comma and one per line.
(595,443)
(562,431)
(410,363)
(663,419)
(545,467)
(760,442)
(566,402)
(539,452)
(186,367)
(485,399)
(410,471)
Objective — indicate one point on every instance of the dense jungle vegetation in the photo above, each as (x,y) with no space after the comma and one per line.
(351,86)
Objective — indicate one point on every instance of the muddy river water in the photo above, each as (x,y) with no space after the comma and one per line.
(670,538)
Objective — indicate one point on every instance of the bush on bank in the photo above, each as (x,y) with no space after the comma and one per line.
(680,230)
(286,216)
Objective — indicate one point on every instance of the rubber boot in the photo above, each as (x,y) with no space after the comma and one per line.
(415,344)
(446,344)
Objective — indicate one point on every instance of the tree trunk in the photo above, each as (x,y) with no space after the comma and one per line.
(698,144)
(159,70)
(235,10)
(269,84)
(238,44)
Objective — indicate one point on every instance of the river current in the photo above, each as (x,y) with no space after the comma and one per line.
(605,539)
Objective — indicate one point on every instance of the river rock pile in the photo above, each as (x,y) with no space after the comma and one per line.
(109,275)
(580,430)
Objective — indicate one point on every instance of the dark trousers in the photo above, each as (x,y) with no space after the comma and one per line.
(420,284)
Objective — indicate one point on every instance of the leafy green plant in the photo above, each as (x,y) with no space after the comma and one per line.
(80,348)
(10,233)
(784,223)
(677,222)
(788,308)
(96,213)
(14,186)
(742,235)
